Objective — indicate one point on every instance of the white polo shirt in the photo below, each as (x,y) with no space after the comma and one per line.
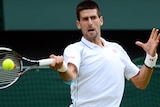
(101,73)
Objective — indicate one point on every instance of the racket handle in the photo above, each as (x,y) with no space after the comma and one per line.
(45,62)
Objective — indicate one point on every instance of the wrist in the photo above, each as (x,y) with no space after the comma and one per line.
(150,61)
(63,68)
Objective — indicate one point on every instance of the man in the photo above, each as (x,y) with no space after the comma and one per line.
(96,69)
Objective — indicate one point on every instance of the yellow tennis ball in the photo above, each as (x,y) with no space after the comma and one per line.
(8,64)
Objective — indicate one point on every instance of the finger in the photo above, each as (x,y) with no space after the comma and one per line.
(52,65)
(158,37)
(152,33)
(52,56)
(59,59)
(155,35)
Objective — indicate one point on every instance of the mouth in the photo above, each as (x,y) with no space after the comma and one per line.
(91,30)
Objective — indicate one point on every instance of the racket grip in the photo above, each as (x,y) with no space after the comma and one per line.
(45,62)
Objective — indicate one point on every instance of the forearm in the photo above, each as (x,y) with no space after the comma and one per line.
(141,80)
(66,76)
(70,73)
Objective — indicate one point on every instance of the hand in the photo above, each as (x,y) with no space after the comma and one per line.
(58,63)
(151,45)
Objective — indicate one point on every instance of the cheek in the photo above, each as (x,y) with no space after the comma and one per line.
(83,30)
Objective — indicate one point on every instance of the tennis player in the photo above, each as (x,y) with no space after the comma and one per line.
(96,69)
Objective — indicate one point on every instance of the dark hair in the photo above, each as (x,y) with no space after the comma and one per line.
(87,4)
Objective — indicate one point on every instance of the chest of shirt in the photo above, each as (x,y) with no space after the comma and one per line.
(100,59)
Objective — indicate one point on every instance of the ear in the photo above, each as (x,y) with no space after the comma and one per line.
(101,19)
(78,25)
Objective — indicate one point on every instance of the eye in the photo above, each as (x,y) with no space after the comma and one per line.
(85,19)
(93,17)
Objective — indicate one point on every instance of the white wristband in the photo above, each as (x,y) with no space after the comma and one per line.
(150,61)
(63,68)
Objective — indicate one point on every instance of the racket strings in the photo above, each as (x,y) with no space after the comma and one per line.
(8,76)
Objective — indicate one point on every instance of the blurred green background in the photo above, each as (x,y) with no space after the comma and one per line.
(60,15)
(22,22)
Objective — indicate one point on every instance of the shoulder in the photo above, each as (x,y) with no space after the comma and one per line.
(77,46)
(117,46)
(114,44)
(74,45)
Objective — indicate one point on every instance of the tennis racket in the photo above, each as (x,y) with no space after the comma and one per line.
(8,78)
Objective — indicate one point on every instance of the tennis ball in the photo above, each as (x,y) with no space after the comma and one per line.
(8,64)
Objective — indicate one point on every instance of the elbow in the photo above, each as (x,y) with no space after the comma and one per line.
(139,83)
(141,86)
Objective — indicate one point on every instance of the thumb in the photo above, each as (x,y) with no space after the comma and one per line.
(139,43)
(52,56)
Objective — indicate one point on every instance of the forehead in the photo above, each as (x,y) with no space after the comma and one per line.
(88,13)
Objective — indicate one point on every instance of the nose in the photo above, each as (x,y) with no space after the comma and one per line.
(90,22)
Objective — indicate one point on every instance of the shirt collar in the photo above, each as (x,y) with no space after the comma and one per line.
(92,45)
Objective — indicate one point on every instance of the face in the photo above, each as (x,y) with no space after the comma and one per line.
(90,24)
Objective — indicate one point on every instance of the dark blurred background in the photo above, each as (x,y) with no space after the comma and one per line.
(37,44)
